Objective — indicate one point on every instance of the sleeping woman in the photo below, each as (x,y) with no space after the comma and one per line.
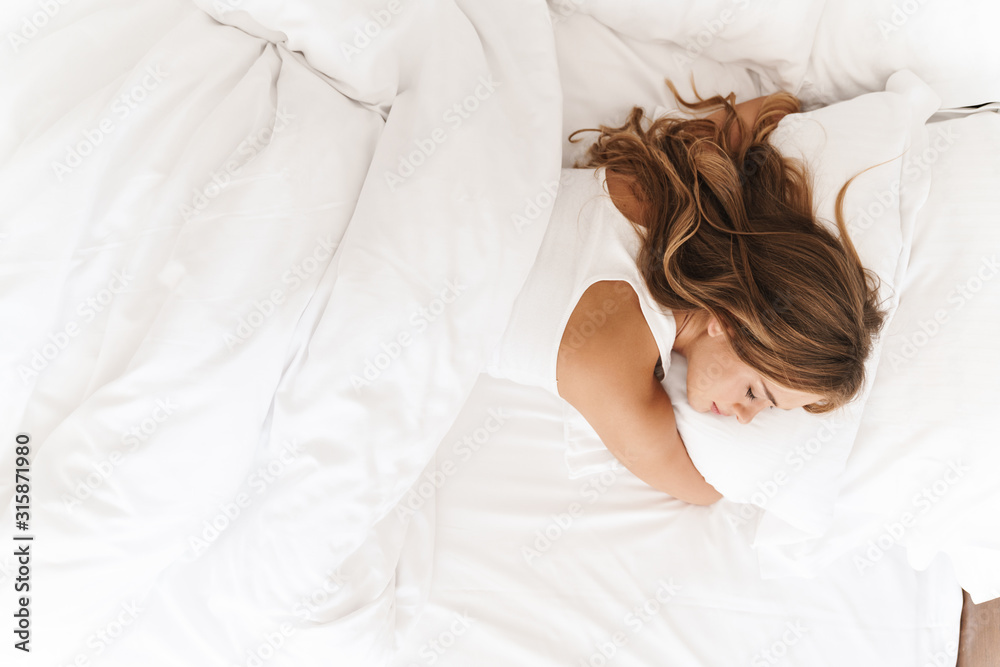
(694,236)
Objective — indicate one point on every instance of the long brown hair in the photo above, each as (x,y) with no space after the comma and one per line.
(728,229)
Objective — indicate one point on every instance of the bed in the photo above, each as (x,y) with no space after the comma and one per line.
(255,257)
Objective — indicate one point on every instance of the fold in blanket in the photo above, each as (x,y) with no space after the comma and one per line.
(257,276)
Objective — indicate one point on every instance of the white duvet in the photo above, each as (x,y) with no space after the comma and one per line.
(253,282)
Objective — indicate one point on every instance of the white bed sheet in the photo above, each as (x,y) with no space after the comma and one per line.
(534,569)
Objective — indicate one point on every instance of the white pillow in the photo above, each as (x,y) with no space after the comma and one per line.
(771,37)
(922,474)
(950,45)
(605,73)
(788,463)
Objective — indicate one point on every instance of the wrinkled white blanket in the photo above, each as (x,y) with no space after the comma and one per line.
(254,282)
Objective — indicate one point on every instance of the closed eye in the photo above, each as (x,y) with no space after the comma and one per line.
(750,395)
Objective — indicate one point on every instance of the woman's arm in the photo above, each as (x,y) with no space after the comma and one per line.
(648,444)
(609,380)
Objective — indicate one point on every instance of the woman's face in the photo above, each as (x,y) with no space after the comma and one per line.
(719,382)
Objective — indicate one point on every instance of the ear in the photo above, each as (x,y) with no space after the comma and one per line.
(714,327)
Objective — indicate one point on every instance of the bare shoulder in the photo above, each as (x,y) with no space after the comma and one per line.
(625,195)
(607,347)
(606,364)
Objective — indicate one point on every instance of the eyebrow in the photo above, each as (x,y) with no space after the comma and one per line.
(770,396)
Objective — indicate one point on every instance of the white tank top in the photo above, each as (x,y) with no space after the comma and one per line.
(587,240)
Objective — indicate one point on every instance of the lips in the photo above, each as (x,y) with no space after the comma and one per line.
(716,410)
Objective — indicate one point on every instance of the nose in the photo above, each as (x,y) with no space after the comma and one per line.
(746,413)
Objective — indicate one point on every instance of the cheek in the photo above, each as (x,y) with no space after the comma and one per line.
(704,376)
(715,374)
(715,384)
(731,392)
